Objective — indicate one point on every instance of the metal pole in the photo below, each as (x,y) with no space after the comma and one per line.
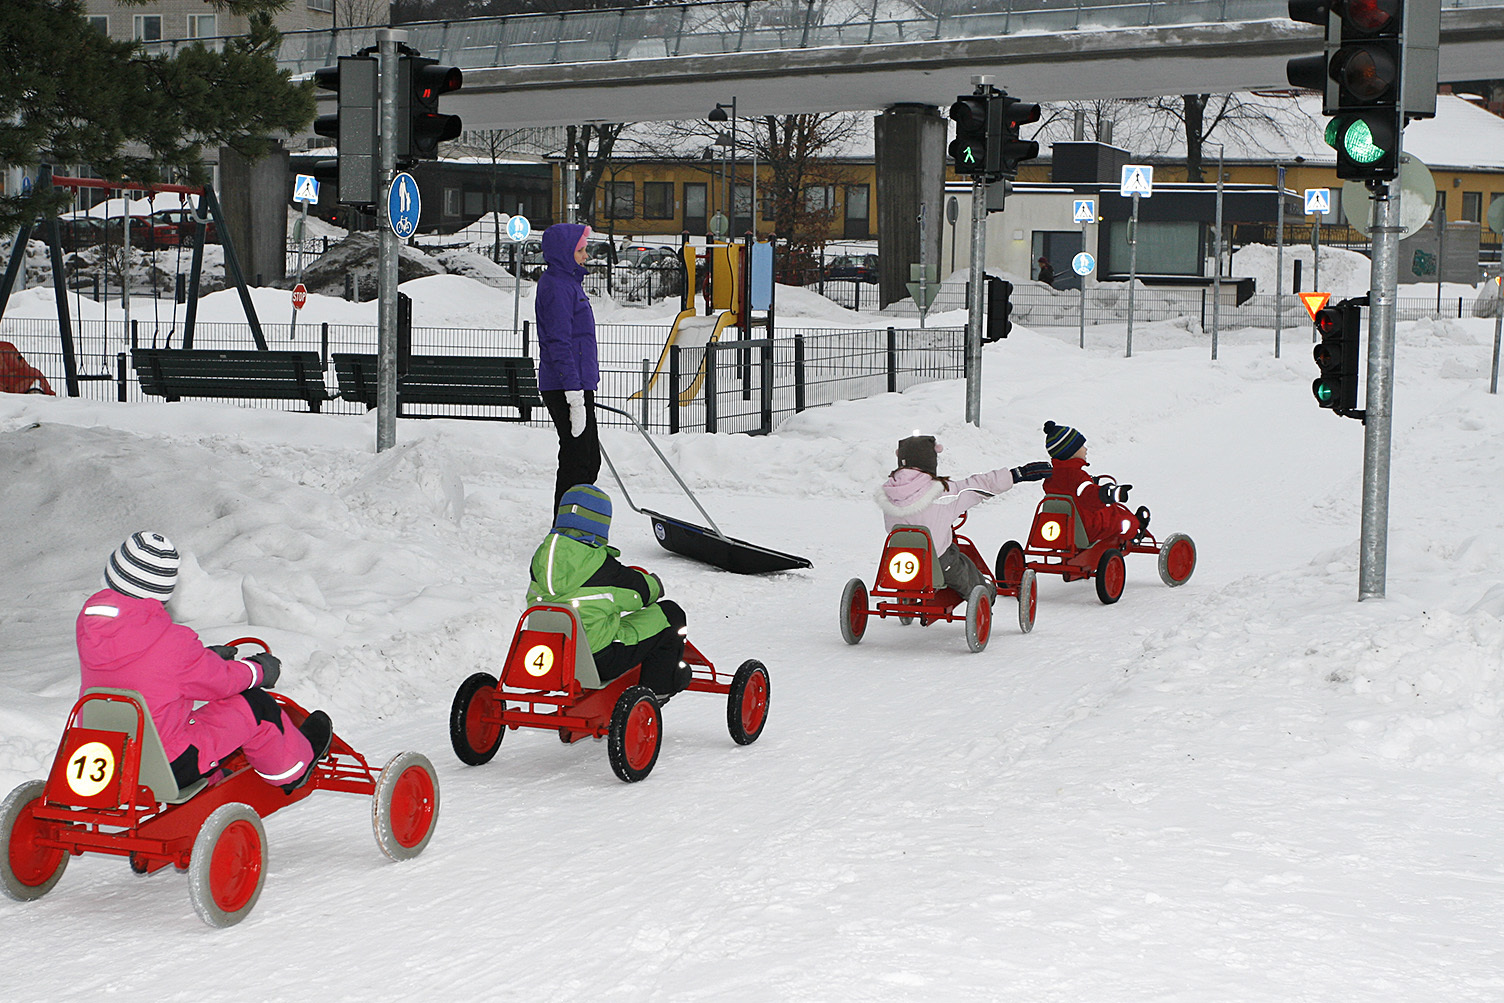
(1132,271)
(924,264)
(517,282)
(1279,258)
(1217,273)
(386,361)
(1384,274)
(1493,383)
(1441,249)
(731,222)
(125,262)
(975,291)
(302,235)
(1315,263)
(1083,291)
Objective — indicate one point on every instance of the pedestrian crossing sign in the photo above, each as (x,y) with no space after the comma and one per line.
(1138,179)
(305,188)
(1085,211)
(1318,200)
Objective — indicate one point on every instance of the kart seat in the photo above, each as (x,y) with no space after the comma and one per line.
(916,538)
(565,622)
(1059,510)
(117,715)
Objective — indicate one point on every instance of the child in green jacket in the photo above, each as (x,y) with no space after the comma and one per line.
(625,618)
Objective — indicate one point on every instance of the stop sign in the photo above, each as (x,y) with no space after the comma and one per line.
(299,296)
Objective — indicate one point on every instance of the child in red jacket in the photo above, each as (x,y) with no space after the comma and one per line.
(205,702)
(1100,516)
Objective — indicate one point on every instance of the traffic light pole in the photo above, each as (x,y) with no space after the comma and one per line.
(975,291)
(1373,550)
(386,277)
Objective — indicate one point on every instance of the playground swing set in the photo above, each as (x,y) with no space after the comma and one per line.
(52,235)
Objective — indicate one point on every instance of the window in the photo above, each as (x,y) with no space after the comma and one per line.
(619,200)
(475,203)
(202,26)
(657,200)
(452,201)
(327,6)
(148,27)
(696,206)
(1472,206)
(100,23)
(858,222)
(819,197)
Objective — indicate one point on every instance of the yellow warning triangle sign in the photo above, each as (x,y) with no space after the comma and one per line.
(1314,302)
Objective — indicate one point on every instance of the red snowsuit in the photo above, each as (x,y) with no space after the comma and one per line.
(132,644)
(1100,519)
(17,376)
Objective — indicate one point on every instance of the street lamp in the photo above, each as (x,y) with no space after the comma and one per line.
(718,114)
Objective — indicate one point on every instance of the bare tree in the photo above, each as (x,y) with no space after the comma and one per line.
(492,145)
(359,13)
(589,148)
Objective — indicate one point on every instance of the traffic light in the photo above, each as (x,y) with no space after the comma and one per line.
(1337,356)
(353,129)
(1011,149)
(969,148)
(420,86)
(999,306)
(1376,72)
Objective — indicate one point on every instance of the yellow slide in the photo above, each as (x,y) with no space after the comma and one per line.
(690,330)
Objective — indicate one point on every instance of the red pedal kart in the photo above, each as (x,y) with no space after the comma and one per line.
(111,790)
(910,585)
(549,681)
(1058,545)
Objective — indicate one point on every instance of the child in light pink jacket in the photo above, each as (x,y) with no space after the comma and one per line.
(205,703)
(915,495)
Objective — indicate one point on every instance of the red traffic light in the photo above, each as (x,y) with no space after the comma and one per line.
(431,81)
(1017,113)
(969,112)
(1369,16)
(1366,72)
(1328,320)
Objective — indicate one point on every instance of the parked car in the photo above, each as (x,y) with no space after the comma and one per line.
(147,234)
(79,232)
(645,255)
(857,267)
(180,223)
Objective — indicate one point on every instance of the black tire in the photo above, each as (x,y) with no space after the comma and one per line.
(978,618)
(228,867)
(636,734)
(27,871)
(1012,553)
(747,702)
(1028,600)
(854,611)
(1111,576)
(474,739)
(405,807)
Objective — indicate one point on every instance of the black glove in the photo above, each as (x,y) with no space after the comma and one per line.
(225,651)
(1036,471)
(271,668)
(1104,492)
(1123,490)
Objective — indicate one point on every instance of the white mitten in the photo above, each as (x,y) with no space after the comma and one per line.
(576,399)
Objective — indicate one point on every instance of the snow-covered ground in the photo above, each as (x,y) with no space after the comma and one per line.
(1250,788)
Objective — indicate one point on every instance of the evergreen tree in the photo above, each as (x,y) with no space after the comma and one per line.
(70,96)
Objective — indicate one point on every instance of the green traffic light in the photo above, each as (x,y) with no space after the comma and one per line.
(1323,391)
(1358,143)
(969,154)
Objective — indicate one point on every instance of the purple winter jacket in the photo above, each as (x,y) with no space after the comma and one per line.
(132,644)
(912,497)
(566,325)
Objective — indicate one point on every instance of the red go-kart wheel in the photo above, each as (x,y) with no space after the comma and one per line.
(1177,559)
(228,865)
(636,734)
(747,702)
(405,806)
(1010,565)
(978,618)
(854,611)
(27,870)
(474,728)
(1111,576)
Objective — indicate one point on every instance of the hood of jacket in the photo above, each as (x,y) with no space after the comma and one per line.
(908,491)
(117,639)
(559,242)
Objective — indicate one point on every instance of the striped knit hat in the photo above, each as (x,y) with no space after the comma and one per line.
(585,514)
(145,566)
(1061,441)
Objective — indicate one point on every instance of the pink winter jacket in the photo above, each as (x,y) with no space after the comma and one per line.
(133,644)
(914,498)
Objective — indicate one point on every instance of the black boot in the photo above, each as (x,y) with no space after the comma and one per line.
(319,731)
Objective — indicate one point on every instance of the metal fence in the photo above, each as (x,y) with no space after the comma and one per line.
(744,385)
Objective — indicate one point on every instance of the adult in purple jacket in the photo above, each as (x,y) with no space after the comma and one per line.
(205,702)
(568,371)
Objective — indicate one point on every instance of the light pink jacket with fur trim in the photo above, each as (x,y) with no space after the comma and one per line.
(914,498)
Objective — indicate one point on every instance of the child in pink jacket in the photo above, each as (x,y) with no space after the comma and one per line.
(205,703)
(915,495)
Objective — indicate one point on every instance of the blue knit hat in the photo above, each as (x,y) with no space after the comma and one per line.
(584,514)
(1062,441)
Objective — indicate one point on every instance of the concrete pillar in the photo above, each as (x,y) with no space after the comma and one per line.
(254,195)
(910,141)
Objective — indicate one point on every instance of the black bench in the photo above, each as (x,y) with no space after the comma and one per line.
(175,373)
(474,380)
